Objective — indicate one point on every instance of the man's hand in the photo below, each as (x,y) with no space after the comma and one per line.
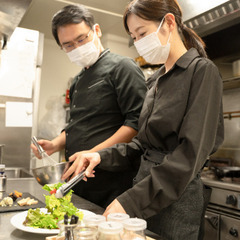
(47,146)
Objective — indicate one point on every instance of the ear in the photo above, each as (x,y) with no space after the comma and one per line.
(170,21)
(98,30)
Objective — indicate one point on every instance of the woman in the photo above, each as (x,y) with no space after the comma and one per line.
(180,125)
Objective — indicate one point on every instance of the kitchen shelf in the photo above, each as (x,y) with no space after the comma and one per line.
(230,115)
(233,82)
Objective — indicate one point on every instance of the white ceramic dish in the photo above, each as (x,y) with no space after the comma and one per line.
(18,219)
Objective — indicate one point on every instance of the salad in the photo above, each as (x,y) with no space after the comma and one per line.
(56,209)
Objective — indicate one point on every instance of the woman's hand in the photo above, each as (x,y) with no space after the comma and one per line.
(47,146)
(114,207)
(84,160)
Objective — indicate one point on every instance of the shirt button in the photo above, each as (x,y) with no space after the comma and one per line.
(66,151)
(74,106)
(66,134)
(75,91)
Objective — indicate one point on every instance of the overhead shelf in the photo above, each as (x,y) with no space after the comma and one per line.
(230,115)
(230,83)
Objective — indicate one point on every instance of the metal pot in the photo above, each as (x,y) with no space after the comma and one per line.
(231,172)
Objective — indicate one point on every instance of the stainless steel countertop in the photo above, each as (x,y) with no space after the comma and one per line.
(8,232)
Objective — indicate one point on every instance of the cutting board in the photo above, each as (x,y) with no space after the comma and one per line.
(16,207)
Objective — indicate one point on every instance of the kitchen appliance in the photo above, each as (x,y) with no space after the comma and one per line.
(11,13)
(20,77)
(222,218)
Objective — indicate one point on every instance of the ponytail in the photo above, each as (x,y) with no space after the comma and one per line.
(155,10)
(191,39)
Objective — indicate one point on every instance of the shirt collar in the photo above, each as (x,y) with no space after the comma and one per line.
(187,58)
(104,52)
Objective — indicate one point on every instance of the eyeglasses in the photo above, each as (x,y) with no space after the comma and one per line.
(68,47)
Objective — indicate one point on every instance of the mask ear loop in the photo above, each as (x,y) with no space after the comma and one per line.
(160,27)
(169,37)
(94,32)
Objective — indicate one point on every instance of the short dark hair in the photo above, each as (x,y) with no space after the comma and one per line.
(75,13)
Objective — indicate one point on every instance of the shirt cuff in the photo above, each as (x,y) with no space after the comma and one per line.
(129,205)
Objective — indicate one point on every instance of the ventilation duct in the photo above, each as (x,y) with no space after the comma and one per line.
(11,13)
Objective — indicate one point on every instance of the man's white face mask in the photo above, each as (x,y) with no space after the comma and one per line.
(85,55)
(151,49)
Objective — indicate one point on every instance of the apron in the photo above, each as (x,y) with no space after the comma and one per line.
(183,219)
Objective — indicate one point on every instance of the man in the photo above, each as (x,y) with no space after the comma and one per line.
(105,102)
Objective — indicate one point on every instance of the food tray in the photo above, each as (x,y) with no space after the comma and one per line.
(16,207)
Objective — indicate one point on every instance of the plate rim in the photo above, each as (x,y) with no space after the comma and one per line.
(21,215)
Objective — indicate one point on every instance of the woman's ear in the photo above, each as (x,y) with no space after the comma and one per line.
(98,30)
(170,21)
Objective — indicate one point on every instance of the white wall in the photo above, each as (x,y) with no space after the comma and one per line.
(119,45)
(56,72)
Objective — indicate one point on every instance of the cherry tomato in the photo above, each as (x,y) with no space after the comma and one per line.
(53,191)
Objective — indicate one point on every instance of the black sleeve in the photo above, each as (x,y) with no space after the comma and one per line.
(122,156)
(130,86)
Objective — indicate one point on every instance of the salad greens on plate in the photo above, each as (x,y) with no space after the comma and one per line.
(56,209)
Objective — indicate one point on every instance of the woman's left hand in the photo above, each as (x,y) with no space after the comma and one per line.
(81,160)
(114,207)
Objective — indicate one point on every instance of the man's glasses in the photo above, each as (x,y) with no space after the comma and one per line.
(68,47)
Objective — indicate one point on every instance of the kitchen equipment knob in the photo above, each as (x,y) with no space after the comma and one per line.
(233,232)
(232,200)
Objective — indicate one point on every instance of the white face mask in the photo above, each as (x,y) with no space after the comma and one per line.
(85,55)
(151,49)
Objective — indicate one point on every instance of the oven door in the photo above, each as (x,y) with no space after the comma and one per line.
(211,231)
(230,228)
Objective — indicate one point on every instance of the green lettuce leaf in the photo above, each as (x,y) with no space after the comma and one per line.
(57,208)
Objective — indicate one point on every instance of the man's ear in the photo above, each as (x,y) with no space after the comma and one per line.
(98,30)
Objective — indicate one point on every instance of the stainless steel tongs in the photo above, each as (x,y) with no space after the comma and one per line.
(47,160)
(64,189)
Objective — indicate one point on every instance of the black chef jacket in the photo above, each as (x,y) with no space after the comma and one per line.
(103,98)
(180,125)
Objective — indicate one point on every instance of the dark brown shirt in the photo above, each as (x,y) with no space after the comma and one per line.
(180,125)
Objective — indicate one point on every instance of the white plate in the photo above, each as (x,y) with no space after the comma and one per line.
(18,219)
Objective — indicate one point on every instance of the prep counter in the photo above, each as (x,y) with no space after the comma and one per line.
(8,232)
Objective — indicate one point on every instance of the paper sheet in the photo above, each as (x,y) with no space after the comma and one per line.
(18,64)
(18,114)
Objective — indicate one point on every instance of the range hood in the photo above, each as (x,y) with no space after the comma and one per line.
(209,16)
(218,23)
(11,13)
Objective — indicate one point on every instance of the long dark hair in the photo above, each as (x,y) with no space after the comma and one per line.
(155,10)
(75,13)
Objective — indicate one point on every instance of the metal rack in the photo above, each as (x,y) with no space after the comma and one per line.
(230,83)
(230,115)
